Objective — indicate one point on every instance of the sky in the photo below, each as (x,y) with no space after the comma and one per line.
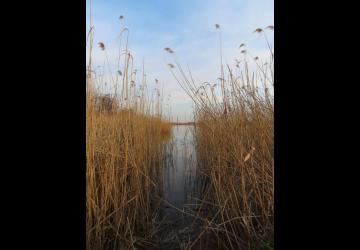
(187,27)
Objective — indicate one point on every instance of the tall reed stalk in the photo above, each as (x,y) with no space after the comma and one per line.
(235,144)
(124,137)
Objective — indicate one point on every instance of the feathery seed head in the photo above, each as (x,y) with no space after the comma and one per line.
(258,30)
(101,45)
(169,50)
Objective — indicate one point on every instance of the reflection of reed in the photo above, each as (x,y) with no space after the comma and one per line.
(180,189)
(179,170)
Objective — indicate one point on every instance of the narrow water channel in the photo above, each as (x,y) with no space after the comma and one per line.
(179,185)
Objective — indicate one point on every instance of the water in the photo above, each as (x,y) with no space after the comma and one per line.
(179,186)
(179,174)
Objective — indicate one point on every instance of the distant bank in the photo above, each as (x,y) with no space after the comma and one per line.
(182,123)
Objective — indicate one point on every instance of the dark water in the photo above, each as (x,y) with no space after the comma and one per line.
(181,168)
(179,187)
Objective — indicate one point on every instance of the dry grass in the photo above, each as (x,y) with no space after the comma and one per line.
(234,136)
(235,145)
(124,145)
(236,154)
(123,157)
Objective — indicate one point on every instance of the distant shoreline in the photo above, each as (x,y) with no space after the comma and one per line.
(182,123)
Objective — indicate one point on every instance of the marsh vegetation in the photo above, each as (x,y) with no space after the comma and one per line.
(154,185)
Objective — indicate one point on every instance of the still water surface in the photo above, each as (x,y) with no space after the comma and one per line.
(179,184)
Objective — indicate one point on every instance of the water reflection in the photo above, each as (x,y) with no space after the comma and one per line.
(179,185)
(179,174)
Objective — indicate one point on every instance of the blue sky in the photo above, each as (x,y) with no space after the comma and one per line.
(186,26)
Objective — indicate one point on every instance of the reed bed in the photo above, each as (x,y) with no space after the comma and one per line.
(125,133)
(123,156)
(234,136)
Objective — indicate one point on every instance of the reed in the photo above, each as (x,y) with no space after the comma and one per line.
(125,131)
(234,135)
